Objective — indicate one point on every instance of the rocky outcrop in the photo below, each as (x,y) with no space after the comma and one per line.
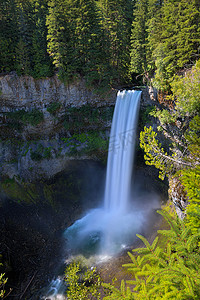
(28,94)
(178,196)
(19,92)
(149,96)
(43,123)
(25,92)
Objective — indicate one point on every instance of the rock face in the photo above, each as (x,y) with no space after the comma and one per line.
(44,123)
(28,93)
(178,196)
(37,117)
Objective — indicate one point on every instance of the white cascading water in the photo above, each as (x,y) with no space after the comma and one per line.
(109,229)
(121,151)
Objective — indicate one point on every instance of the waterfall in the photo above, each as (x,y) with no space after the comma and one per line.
(121,151)
(108,229)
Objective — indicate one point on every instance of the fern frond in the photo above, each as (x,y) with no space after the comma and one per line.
(154,244)
(174,224)
(185,233)
(191,243)
(168,233)
(144,241)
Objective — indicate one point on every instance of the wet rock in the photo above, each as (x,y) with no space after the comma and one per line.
(178,196)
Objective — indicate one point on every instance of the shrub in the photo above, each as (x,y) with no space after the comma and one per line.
(83,283)
(53,107)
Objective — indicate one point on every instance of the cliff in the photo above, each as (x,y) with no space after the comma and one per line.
(45,125)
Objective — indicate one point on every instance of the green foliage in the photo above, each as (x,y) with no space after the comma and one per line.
(53,107)
(115,19)
(190,179)
(23,37)
(139,38)
(18,191)
(3,281)
(83,283)
(33,117)
(74,39)
(169,273)
(164,116)
(165,39)
(154,153)
(114,293)
(93,39)
(186,92)
(179,40)
(41,153)
(86,143)
(8,35)
(180,126)
(192,137)
(77,119)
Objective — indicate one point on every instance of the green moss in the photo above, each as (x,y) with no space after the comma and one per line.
(19,118)
(87,143)
(77,119)
(41,153)
(19,192)
(53,108)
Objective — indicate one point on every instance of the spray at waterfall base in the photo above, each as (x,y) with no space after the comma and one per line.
(109,229)
(105,231)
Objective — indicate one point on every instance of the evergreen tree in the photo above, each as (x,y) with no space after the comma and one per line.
(179,40)
(74,38)
(154,28)
(31,49)
(42,66)
(25,26)
(145,35)
(54,26)
(116,21)
(83,283)
(8,35)
(88,39)
(139,38)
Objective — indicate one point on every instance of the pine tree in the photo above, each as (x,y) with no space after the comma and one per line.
(25,27)
(58,37)
(74,38)
(88,39)
(139,38)
(179,40)
(83,283)
(116,22)
(8,35)
(42,66)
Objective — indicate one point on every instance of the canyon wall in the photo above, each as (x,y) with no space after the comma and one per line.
(46,125)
